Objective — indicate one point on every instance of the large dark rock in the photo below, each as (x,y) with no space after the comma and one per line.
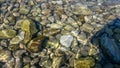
(110,48)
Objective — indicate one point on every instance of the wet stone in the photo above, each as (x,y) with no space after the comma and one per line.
(36,43)
(87,27)
(7,33)
(117,37)
(13,47)
(15,40)
(108,65)
(27,66)
(110,48)
(80,9)
(30,28)
(34,61)
(82,37)
(66,40)
(5,55)
(57,61)
(24,10)
(26,60)
(116,30)
(69,28)
(87,62)
(47,64)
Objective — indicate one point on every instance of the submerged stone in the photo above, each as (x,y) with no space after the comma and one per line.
(117,37)
(87,62)
(30,28)
(36,43)
(80,9)
(7,33)
(110,48)
(15,40)
(57,61)
(50,32)
(5,55)
(87,27)
(24,10)
(66,40)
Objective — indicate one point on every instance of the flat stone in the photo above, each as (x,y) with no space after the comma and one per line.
(7,33)
(82,37)
(87,62)
(110,48)
(80,9)
(54,26)
(87,27)
(69,28)
(66,40)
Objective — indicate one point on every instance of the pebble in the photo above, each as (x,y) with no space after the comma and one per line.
(5,55)
(66,40)
(87,27)
(87,62)
(82,37)
(7,33)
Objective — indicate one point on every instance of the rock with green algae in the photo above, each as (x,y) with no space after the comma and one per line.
(7,33)
(87,62)
(36,43)
(30,29)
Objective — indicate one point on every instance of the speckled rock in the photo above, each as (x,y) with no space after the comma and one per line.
(7,33)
